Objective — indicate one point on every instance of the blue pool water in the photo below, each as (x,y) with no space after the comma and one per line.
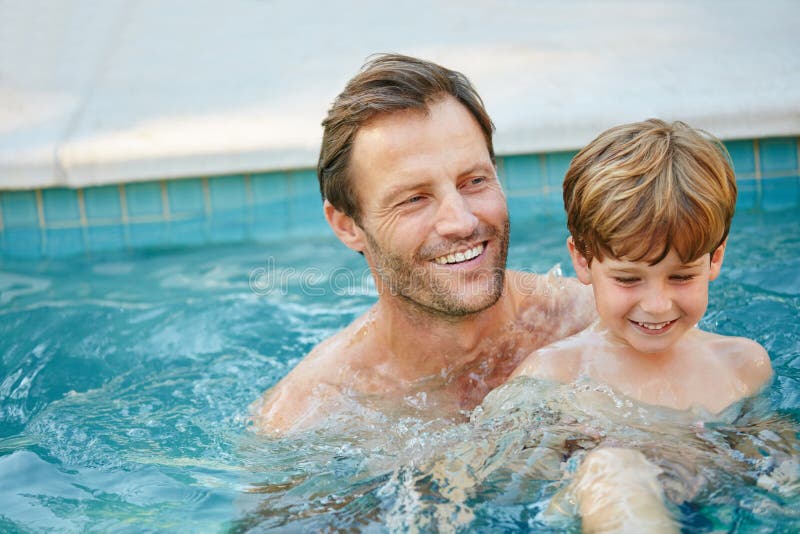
(125,382)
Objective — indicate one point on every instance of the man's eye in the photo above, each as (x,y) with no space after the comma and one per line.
(477,180)
(413,200)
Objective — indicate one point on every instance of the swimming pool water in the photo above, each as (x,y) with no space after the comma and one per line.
(125,382)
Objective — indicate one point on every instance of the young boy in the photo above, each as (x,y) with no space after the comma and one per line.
(649,206)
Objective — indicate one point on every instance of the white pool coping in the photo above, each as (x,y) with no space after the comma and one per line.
(125,90)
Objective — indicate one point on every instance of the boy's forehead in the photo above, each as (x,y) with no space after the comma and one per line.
(672,259)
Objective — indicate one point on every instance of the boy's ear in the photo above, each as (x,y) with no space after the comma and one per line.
(716,260)
(579,263)
(345,228)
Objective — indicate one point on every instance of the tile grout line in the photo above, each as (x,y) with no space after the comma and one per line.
(166,214)
(248,200)
(84,221)
(124,219)
(757,174)
(40,211)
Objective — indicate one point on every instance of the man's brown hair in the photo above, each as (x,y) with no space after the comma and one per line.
(385,84)
(641,189)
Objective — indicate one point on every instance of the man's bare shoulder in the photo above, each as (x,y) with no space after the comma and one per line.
(315,386)
(561,303)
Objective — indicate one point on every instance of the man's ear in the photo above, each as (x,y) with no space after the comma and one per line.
(579,263)
(345,228)
(716,260)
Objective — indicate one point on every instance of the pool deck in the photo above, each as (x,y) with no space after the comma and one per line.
(124,90)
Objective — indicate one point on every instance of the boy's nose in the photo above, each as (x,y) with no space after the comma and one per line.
(455,217)
(656,300)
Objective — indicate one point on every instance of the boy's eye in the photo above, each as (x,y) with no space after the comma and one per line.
(626,279)
(682,277)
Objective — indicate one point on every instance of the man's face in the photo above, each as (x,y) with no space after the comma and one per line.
(434,216)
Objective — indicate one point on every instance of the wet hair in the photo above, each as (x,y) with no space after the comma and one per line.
(387,83)
(639,190)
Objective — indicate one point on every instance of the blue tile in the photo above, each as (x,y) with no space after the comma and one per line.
(303,182)
(186,197)
(188,232)
(19,209)
(269,187)
(227,192)
(61,206)
(102,203)
(306,216)
(228,228)
(747,195)
(270,220)
(557,164)
(778,155)
(64,242)
(106,238)
(742,155)
(148,234)
(523,173)
(23,242)
(143,199)
(780,193)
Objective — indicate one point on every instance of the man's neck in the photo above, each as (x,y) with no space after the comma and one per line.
(425,343)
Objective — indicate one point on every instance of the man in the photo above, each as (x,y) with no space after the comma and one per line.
(407,174)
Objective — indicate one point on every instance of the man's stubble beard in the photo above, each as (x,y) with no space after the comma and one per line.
(415,281)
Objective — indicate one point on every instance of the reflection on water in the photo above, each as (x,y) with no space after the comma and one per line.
(125,383)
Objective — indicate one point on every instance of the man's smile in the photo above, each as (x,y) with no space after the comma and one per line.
(461,256)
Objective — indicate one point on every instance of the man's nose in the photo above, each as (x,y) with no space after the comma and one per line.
(656,300)
(455,217)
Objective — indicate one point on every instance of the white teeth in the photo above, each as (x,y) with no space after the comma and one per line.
(653,326)
(458,257)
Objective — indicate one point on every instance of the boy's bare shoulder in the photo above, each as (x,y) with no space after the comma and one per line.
(558,362)
(747,360)
(750,361)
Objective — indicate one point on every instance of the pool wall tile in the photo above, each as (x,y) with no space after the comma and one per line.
(64,242)
(748,192)
(148,234)
(102,203)
(188,232)
(61,206)
(778,155)
(186,197)
(742,155)
(106,238)
(522,173)
(22,242)
(144,199)
(277,205)
(227,192)
(780,193)
(305,204)
(19,209)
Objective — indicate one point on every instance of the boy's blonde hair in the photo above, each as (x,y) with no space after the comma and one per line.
(641,189)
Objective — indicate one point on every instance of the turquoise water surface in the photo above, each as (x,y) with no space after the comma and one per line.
(125,382)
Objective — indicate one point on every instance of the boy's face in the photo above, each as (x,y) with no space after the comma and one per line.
(649,307)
